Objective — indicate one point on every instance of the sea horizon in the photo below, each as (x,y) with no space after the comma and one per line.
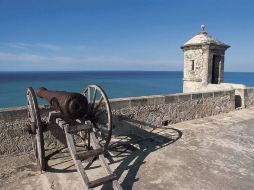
(117,84)
(114,71)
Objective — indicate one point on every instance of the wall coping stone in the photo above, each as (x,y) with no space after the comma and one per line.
(118,103)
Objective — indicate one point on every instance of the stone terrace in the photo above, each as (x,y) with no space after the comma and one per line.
(210,153)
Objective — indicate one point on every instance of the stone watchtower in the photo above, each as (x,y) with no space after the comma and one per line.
(203,62)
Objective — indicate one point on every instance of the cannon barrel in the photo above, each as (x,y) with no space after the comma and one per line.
(72,105)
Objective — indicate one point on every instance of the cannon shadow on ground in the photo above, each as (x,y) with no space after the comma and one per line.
(130,145)
(133,144)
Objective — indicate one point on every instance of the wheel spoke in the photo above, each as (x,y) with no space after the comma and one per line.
(89,95)
(93,101)
(99,113)
(98,105)
(94,96)
(37,139)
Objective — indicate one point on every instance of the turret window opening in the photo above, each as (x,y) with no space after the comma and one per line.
(192,65)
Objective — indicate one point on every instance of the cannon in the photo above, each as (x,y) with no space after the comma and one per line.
(71,105)
(87,115)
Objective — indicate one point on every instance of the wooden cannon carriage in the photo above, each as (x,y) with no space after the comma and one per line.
(87,116)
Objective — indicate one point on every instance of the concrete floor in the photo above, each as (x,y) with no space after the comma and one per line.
(210,153)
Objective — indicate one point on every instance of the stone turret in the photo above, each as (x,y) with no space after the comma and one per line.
(203,61)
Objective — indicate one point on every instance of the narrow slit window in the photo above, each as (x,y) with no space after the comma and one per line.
(192,65)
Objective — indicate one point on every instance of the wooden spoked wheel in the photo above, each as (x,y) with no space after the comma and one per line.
(99,113)
(36,128)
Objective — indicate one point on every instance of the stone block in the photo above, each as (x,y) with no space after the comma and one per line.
(155,100)
(138,101)
(218,93)
(246,94)
(250,91)
(120,103)
(171,99)
(196,96)
(230,93)
(207,95)
(184,97)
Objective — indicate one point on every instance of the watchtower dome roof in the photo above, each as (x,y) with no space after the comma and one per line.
(202,38)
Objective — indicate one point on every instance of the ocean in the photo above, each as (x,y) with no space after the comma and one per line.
(117,84)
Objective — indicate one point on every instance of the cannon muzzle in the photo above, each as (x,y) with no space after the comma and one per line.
(72,105)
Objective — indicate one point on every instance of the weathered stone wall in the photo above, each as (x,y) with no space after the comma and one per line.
(249,97)
(14,137)
(244,96)
(196,77)
(204,57)
(128,113)
(152,111)
(195,55)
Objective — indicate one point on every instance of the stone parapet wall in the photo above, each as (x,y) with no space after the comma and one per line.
(249,97)
(128,113)
(153,111)
(14,137)
(244,97)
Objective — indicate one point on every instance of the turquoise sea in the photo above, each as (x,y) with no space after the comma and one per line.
(116,83)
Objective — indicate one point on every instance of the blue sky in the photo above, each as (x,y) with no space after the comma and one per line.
(119,34)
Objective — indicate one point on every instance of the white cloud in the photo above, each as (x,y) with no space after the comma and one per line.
(49,46)
(17,45)
(21,57)
(26,46)
(105,63)
(14,57)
